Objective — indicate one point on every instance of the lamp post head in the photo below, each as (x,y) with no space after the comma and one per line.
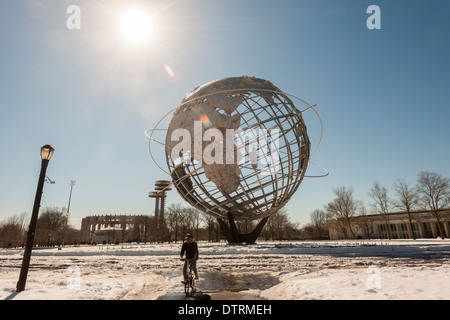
(47,152)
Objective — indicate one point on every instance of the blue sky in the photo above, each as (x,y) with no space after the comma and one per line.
(383,95)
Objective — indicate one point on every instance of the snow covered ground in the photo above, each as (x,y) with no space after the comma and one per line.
(386,270)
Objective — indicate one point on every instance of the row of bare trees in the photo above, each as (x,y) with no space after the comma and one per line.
(178,221)
(49,230)
(182,219)
(431,193)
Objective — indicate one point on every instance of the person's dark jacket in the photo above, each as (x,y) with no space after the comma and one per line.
(191,250)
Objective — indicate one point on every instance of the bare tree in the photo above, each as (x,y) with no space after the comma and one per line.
(292,231)
(365,223)
(307,231)
(382,204)
(195,218)
(72,235)
(50,226)
(434,192)
(174,220)
(190,221)
(281,220)
(343,209)
(276,224)
(12,231)
(407,199)
(211,226)
(318,221)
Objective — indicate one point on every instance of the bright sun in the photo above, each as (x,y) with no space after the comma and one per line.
(136,25)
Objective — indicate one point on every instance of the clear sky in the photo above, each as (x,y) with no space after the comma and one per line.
(91,92)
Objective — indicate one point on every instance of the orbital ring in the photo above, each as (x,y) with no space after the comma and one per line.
(150,136)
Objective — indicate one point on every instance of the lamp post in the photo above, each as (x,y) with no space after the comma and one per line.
(72,183)
(46,154)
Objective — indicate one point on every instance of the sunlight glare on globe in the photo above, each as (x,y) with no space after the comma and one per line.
(136,25)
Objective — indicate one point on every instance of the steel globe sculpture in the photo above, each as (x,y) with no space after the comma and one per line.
(237,149)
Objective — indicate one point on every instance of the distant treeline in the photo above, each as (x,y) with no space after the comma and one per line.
(431,193)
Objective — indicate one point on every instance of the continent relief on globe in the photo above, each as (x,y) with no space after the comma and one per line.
(210,107)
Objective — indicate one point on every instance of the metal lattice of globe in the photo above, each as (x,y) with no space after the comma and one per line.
(237,147)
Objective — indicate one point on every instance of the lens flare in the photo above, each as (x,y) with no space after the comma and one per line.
(174,76)
(205,120)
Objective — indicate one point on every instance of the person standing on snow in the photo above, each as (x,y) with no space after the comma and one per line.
(191,249)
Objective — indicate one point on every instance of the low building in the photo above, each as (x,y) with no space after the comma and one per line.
(395,225)
(108,235)
(114,228)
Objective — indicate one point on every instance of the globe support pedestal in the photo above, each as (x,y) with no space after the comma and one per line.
(232,234)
